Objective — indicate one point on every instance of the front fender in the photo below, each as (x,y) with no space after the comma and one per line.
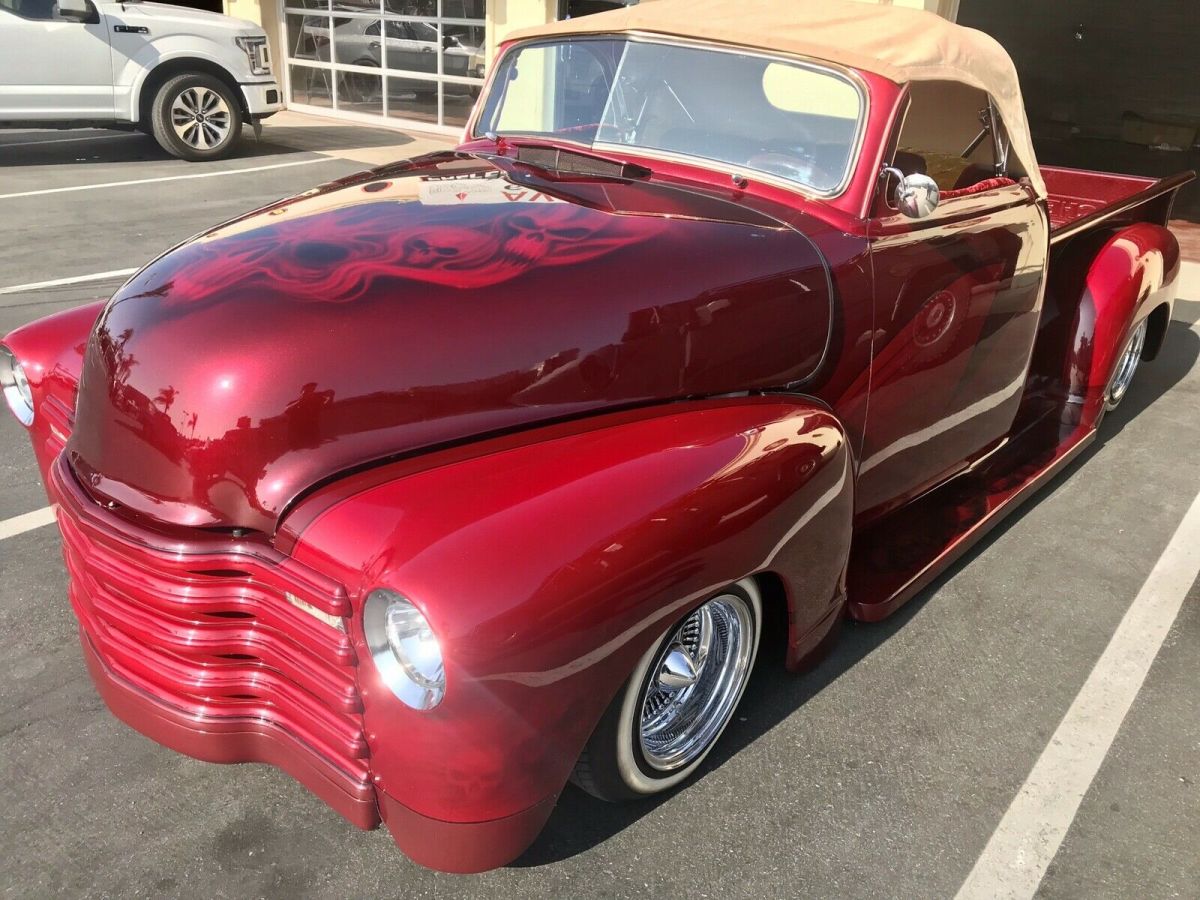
(137,69)
(50,350)
(548,562)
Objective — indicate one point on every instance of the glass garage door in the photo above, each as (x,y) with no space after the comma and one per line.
(418,62)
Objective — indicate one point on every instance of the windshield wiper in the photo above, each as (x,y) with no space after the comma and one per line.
(577,162)
(568,160)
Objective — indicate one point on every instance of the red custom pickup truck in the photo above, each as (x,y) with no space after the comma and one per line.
(451,481)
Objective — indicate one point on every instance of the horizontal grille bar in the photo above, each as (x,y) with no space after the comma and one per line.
(216,627)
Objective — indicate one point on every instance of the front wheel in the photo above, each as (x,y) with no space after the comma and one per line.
(196,117)
(677,702)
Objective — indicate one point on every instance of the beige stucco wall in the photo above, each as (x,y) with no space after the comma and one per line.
(505,16)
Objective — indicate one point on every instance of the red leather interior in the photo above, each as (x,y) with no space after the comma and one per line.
(988,184)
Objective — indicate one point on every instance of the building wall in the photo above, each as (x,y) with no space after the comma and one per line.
(506,16)
(1084,63)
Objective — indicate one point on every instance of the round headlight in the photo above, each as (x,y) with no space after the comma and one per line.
(405,649)
(13,382)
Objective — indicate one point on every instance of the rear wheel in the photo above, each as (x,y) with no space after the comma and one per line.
(677,702)
(196,117)
(1127,365)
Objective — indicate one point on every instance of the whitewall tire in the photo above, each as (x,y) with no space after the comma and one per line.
(677,702)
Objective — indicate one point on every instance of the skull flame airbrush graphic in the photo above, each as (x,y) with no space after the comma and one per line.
(340,254)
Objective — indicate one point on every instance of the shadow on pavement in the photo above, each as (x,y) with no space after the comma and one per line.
(52,148)
(580,822)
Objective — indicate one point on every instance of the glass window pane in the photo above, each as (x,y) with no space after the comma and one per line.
(559,89)
(457,103)
(719,106)
(411,47)
(360,93)
(357,42)
(311,86)
(780,118)
(464,9)
(406,40)
(423,32)
(459,56)
(308,37)
(35,10)
(411,98)
(411,7)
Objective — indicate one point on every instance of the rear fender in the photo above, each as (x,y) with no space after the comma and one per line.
(1135,272)
(548,562)
(50,350)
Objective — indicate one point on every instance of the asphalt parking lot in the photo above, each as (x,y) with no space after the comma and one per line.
(884,772)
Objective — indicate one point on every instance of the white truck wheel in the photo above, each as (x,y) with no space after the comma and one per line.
(196,117)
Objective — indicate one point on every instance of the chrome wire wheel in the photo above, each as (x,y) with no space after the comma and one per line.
(696,682)
(677,701)
(201,117)
(1126,366)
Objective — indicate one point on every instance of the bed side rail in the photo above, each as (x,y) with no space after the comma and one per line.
(1151,204)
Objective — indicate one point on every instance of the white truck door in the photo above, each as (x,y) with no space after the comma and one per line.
(53,68)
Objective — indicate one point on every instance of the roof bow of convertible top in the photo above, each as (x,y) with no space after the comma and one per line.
(900,44)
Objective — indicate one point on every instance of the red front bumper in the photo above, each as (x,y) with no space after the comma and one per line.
(229,740)
(207,644)
(201,643)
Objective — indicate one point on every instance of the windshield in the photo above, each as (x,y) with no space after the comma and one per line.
(751,113)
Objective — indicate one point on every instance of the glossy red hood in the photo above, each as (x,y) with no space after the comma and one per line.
(427,303)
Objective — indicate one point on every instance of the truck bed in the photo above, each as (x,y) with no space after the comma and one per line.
(1079,199)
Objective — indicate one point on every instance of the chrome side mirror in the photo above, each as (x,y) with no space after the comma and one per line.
(917,195)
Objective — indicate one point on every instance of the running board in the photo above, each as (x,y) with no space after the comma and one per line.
(895,558)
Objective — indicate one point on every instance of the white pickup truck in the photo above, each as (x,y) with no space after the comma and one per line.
(189,78)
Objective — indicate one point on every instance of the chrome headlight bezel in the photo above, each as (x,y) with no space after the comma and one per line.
(257,53)
(406,652)
(15,386)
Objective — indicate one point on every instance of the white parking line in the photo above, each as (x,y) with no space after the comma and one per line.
(27,522)
(111,184)
(1015,859)
(57,282)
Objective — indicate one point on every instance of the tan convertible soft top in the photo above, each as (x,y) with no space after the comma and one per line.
(900,44)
